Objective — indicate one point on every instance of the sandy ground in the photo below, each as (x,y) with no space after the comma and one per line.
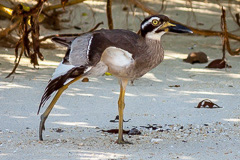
(183,131)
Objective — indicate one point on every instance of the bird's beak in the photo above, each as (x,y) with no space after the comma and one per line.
(165,27)
(177,28)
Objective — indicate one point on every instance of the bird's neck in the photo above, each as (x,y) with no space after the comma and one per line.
(155,36)
(155,49)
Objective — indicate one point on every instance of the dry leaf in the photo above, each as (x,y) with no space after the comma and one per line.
(206,103)
(218,63)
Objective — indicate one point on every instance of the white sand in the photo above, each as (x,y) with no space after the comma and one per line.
(86,108)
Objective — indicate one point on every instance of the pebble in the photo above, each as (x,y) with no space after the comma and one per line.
(155,140)
(81,144)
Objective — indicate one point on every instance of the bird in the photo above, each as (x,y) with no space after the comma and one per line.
(123,53)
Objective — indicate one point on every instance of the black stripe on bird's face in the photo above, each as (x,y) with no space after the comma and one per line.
(152,24)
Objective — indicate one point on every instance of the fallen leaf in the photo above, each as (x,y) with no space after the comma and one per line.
(206,103)
(218,63)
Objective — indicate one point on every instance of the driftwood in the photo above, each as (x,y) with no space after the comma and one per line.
(9,29)
(70,35)
(72,2)
(226,36)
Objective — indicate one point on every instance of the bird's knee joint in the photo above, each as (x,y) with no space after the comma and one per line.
(121,104)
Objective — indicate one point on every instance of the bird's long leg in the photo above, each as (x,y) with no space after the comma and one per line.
(45,115)
(121,106)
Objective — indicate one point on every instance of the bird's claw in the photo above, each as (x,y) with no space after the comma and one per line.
(123,142)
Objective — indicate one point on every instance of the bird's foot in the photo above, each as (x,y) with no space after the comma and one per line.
(41,128)
(121,141)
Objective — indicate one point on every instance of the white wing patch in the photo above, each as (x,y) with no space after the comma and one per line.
(61,70)
(89,44)
(117,57)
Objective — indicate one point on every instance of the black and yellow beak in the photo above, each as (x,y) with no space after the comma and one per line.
(177,28)
(165,27)
(171,27)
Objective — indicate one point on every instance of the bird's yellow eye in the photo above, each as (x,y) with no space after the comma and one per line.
(155,22)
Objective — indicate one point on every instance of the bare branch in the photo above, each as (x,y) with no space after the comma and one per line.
(70,35)
(60,5)
(109,14)
(225,36)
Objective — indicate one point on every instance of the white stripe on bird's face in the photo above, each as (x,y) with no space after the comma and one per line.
(149,21)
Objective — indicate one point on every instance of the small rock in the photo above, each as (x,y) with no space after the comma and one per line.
(155,140)
(80,144)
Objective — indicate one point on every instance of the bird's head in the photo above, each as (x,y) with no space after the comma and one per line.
(154,27)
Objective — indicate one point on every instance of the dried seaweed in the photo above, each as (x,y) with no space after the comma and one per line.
(24,15)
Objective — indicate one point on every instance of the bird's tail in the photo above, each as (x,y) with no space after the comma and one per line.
(58,81)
